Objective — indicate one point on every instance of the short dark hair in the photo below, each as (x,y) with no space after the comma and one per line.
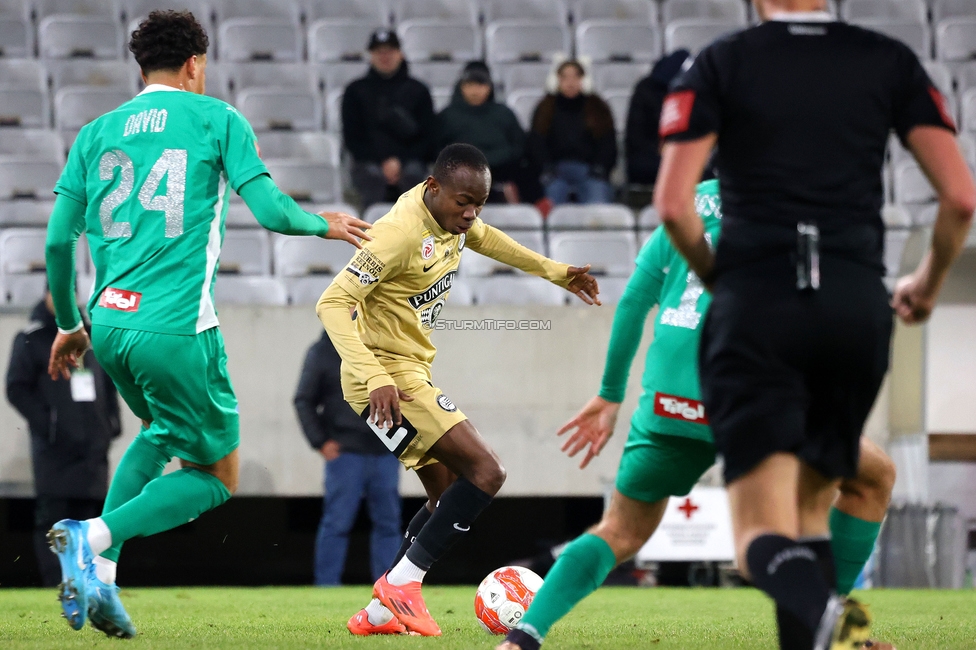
(166,39)
(456,156)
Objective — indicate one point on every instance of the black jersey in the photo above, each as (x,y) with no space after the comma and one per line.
(802,111)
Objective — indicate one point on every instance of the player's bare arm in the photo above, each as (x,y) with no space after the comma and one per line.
(593,425)
(938,154)
(347,228)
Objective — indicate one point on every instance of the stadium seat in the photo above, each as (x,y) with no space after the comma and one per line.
(275,9)
(915,35)
(452,11)
(305,145)
(31,213)
(255,74)
(306,180)
(135,11)
(336,76)
(239,216)
(437,75)
(550,11)
(372,11)
(23,94)
(583,217)
(619,101)
(924,216)
(76,106)
(648,218)
(517,290)
(941,76)
(618,76)
(26,177)
(100,8)
(515,40)
(523,103)
(895,216)
(245,252)
(965,74)
(300,256)
(376,211)
(441,98)
(339,40)
(22,290)
(911,185)
(896,152)
(435,40)
(609,253)
(462,293)
(968,102)
(523,76)
(219,83)
(16,37)
(475,265)
(122,75)
(22,251)
(614,40)
(307,290)
(894,248)
(639,12)
(956,39)
(731,12)
(693,34)
(967,144)
(333,110)
(65,37)
(897,10)
(43,144)
(512,217)
(269,108)
(942,9)
(259,39)
(250,290)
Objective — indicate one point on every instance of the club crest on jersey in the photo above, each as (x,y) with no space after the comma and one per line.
(445,403)
(461,242)
(120,299)
(364,277)
(427,245)
(679,408)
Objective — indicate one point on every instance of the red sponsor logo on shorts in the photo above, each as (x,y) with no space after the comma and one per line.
(679,408)
(943,106)
(120,299)
(676,112)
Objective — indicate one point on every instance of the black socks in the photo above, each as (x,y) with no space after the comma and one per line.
(413,529)
(459,506)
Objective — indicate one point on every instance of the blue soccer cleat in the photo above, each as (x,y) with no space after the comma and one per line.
(105,610)
(69,541)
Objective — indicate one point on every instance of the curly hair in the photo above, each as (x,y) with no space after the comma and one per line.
(457,156)
(166,39)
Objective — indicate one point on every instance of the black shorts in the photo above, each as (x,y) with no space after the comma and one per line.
(790,371)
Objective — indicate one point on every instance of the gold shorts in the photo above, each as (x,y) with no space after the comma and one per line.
(428,417)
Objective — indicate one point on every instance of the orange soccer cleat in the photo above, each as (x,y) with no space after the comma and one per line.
(360,626)
(407,604)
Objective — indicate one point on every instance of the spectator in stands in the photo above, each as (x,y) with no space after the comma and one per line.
(573,138)
(357,465)
(388,124)
(71,423)
(643,149)
(475,118)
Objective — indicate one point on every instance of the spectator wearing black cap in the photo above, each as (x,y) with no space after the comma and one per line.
(474,117)
(388,124)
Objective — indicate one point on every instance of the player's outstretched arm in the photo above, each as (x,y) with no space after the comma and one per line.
(593,426)
(583,284)
(64,228)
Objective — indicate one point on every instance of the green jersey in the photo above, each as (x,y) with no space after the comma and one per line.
(671,399)
(154,175)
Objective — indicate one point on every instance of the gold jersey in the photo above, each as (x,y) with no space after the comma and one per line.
(398,284)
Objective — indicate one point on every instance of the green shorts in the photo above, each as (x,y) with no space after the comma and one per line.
(178,382)
(656,466)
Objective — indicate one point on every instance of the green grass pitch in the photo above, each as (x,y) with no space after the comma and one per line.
(613,618)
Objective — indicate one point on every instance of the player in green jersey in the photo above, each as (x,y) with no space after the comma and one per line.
(670,445)
(149,184)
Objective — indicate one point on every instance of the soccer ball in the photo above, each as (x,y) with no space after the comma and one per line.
(503,597)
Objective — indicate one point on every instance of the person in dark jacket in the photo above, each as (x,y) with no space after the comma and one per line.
(573,137)
(72,424)
(388,124)
(643,148)
(357,465)
(474,117)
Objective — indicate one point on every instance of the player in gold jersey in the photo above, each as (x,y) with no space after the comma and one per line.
(395,288)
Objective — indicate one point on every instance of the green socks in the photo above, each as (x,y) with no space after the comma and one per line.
(580,570)
(852,541)
(141,464)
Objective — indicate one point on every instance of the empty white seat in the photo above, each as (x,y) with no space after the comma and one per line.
(619,102)
(86,72)
(280,108)
(219,83)
(956,39)
(553,11)
(66,36)
(436,74)
(519,76)
(634,11)
(22,251)
(436,40)
(334,206)
(518,217)
(43,144)
(517,290)
(523,103)
(924,216)
(476,265)
(375,11)
(942,9)
(455,11)
(523,41)
(306,180)
(967,144)
(376,211)
(941,77)
(580,217)
(339,40)
(136,11)
(614,40)
(76,106)
(304,145)
(609,252)
(250,290)
(298,256)
(968,102)
(306,289)
(911,185)
(22,290)
(616,76)
(239,216)
(895,241)
(27,177)
(693,34)
(913,34)
(901,10)
(895,216)
(23,94)
(245,252)
(16,37)
(336,76)
(102,8)
(728,11)
(268,74)
(965,76)
(260,39)
(29,213)
(462,293)
(333,110)
(441,98)
(276,9)
(648,218)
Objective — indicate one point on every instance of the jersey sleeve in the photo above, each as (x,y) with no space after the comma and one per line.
(919,102)
(73,182)
(494,243)
(239,150)
(691,109)
(376,261)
